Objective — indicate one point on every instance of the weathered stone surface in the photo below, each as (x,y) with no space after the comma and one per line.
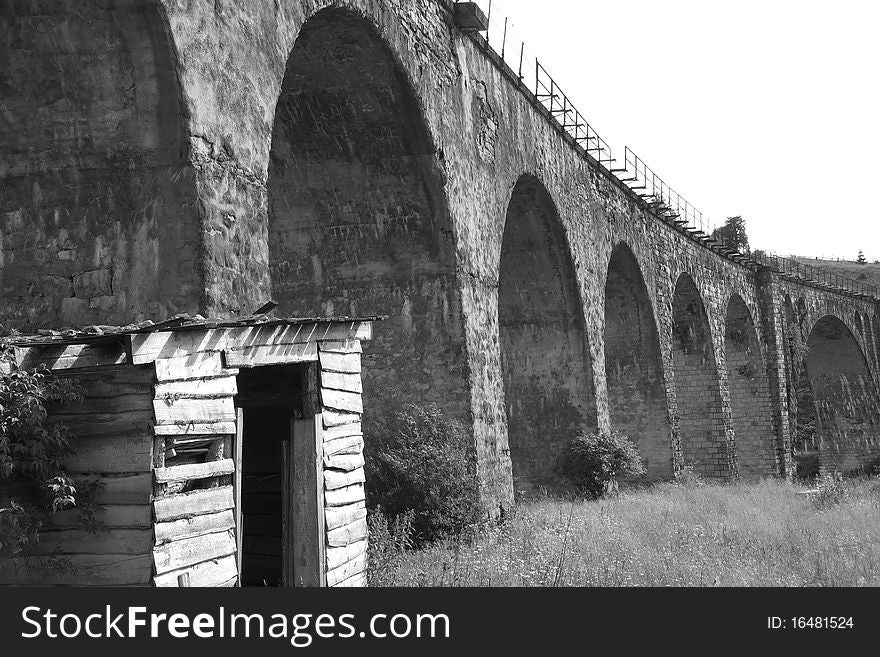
(205,156)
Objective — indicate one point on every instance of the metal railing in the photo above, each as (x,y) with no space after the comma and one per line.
(661,198)
(816,275)
(504,40)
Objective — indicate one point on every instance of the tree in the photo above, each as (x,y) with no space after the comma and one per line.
(733,234)
(861,259)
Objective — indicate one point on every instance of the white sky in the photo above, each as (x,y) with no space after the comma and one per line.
(766,109)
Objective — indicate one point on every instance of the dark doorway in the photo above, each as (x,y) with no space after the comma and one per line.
(278,505)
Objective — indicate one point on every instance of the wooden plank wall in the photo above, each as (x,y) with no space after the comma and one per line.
(194,540)
(113,435)
(345,513)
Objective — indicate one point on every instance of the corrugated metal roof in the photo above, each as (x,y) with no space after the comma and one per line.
(182,322)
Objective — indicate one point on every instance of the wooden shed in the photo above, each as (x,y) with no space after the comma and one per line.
(229,452)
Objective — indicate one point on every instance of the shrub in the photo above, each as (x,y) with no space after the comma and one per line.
(830,490)
(593,462)
(388,540)
(419,462)
(33,483)
(690,478)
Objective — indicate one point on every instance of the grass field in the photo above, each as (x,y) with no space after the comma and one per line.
(762,534)
(868,273)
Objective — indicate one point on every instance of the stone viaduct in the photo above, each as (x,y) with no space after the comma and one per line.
(367,156)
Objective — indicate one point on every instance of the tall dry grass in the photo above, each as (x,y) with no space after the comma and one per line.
(763,534)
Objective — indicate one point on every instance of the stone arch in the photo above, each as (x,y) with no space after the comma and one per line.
(868,337)
(545,355)
(358,221)
(96,194)
(633,368)
(846,406)
(794,359)
(697,384)
(750,405)
(860,329)
(876,336)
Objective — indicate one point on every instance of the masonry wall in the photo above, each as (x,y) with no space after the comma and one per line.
(633,370)
(476,135)
(96,205)
(750,403)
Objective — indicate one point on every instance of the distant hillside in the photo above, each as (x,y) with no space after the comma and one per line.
(868,273)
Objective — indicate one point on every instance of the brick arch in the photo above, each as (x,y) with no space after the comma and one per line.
(358,221)
(95,188)
(749,391)
(633,366)
(697,385)
(545,353)
(846,405)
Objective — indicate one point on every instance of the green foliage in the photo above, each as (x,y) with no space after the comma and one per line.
(861,258)
(420,463)
(733,234)
(33,483)
(593,462)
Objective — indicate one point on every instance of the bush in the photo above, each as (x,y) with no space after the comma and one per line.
(830,490)
(33,482)
(420,463)
(689,478)
(593,462)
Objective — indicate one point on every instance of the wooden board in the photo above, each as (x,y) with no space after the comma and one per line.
(209,500)
(304,515)
(348,534)
(195,366)
(238,456)
(194,471)
(276,354)
(124,454)
(195,526)
(119,488)
(110,425)
(347,571)
(340,516)
(122,403)
(214,573)
(110,515)
(337,556)
(195,429)
(190,551)
(341,381)
(334,479)
(73,356)
(341,346)
(342,431)
(342,401)
(186,410)
(348,445)
(89,570)
(345,363)
(358,580)
(212,387)
(79,541)
(345,462)
(336,418)
(147,347)
(344,496)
